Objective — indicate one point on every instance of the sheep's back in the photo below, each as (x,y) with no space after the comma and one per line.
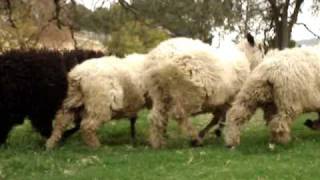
(34,82)
(31,82)
(294,75)
(112,81)
(194,74)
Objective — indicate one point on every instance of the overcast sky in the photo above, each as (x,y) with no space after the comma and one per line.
(299,32)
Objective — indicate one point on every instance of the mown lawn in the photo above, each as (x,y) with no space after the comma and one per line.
(24,156)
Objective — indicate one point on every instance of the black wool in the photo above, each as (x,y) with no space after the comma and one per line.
(33,84)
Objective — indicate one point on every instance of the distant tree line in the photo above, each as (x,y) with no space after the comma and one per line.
(138,25)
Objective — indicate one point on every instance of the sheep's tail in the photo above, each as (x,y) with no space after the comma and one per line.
(172,79)
(74,99)
(71,109)
(256,90)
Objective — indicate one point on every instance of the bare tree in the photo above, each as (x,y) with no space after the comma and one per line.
(68,20)
(282,21)
(274,19)
(23,29)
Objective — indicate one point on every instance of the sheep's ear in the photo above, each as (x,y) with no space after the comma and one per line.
(250,39)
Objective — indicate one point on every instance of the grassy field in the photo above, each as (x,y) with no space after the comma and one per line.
(24,156)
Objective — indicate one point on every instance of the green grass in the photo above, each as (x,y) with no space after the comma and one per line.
(24,156)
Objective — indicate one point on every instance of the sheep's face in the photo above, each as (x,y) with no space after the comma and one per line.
(254,51)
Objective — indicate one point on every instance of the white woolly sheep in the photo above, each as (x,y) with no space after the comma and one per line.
(185,77)
(101,89)
(288,81)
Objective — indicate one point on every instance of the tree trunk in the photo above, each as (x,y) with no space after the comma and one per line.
(283,23)
(283,32)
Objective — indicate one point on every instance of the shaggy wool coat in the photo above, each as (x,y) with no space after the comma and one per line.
(101,90)
(289,81)
(185,77)
(33,84)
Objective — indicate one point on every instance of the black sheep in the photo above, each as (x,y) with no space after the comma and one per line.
(33,84)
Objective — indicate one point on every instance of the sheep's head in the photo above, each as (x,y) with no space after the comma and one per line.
(232,128)
(253,50)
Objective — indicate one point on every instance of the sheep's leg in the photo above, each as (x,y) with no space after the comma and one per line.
(133,129)
(43,124)
(159,115)
(71,131)
(63,119)
(216,120)
(158,128)
(77,121)
(221,121)
(280,127)
(186,125)
(269,111)
(218,130)
(235,118)
(89,126)
(159,121)
(313,124)
(187,128)
(4,131)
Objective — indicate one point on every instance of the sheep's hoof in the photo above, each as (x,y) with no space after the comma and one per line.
(134,142)
(218,133)
(202,134)
(196,143)
(50,145)
(231,147)
(308,123)
(94,145)
(157,144)
(314,125)
(281,138)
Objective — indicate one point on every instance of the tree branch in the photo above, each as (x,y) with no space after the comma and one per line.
(274,5)
(128,7)
(9,8)
(294,16)
(57,12)
(275,10)
(308,29)
(75,43)
(286,5)
(71,25)
(60,23)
